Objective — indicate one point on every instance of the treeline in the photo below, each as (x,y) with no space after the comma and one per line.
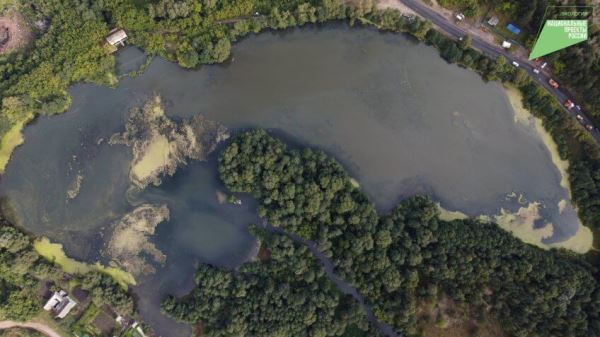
(396,261)
(189,32)
(23,273)
(193,33)
(35,80)
(576,67)
(285,293)
(574,143)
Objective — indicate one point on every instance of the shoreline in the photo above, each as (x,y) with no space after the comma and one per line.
(12,139)
(55,253)
(582,241)
(521,223)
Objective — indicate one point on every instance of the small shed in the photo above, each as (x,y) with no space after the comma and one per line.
(513,29)
(116,37)
(493,21)
(506,44)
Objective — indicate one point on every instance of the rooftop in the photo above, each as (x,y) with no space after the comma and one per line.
(117,36)
(60,304)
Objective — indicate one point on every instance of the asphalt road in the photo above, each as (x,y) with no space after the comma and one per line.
(494,51)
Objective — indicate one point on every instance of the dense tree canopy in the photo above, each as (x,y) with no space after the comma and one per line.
(286,293)
(23,272)
(396,261)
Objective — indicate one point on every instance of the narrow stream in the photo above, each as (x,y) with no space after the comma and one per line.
(342,285)
(399,119)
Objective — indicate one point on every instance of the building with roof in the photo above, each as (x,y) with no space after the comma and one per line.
(116,37)
(60,304)
(493,21)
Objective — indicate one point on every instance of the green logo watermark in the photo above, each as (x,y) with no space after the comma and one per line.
(557,34)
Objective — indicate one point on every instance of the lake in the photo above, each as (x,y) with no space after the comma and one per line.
(400,119)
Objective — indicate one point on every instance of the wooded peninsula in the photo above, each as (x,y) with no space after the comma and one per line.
(396,261)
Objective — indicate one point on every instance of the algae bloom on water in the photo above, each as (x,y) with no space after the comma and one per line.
(161,145)
(54,252)
(130,239)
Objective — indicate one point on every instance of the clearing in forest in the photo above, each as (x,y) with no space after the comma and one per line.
(14,32)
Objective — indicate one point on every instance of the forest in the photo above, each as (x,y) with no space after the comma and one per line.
(396,261)
(285,293)
(191,33)
(69,46)
(24,274)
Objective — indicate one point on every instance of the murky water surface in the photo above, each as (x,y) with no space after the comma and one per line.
(398,117)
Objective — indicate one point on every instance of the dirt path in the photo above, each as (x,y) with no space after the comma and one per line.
(46,330)
(19,33)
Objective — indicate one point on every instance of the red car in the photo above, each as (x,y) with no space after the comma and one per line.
(553,84)
(569,104)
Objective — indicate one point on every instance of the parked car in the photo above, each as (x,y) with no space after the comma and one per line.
(536,71)
(578,107)
(553,84)
(579,118)
(516,64)
(544,65)
(590,127)
(460,16)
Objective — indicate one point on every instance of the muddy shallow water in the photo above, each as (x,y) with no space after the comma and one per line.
(399,118)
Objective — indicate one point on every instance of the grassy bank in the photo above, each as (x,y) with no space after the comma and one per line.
(582,241)
(194,35)
(572,147)
(54,253)
(10,140)
(28,279)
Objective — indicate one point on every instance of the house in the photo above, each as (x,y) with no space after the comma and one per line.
(116,37)
(60,304)
(493,21)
